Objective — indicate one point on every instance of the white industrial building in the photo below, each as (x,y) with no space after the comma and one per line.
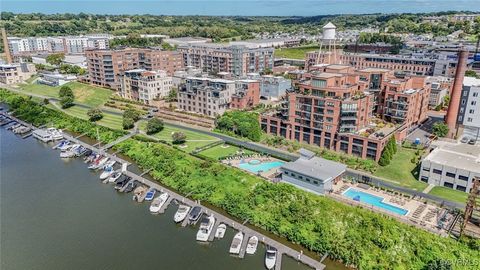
(469,111)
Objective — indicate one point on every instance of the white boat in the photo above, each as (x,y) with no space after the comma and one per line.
(107,172)
(206,228)
(64,146)
(109,163)
(99,163)
(220,233)
(236,243)
(270,258)
(71,152)
(56,134)
(181,213)
(114,176)
(252,245)
(60,144)
(42,135)
(158,202)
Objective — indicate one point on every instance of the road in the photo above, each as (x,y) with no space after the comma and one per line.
(359,175)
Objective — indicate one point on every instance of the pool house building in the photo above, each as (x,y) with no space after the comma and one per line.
(312,173)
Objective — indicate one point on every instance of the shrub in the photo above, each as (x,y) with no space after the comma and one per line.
(128,123)
(440,129)
(241,123)
(154,125)
(179,137)
(95,114)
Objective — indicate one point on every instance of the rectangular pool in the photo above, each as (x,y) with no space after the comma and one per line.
(377,201)
(261,167)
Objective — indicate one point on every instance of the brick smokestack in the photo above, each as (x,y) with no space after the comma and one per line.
(6,49)
(456,94)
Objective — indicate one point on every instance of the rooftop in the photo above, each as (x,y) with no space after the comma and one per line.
(458,155)
(315,167)
(471,81)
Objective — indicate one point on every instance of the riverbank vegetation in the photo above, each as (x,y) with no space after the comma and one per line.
(358,237)
(240,123)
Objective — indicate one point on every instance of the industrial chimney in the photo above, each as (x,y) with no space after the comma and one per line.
(456,94)
(6,49)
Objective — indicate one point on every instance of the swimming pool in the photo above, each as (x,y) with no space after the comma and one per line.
(373,200)
(264,166)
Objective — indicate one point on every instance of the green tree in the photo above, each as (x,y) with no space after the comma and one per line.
(388,152)
(471,73)
(128,123)
(178,137)
(95,114)
(55,59)
(172,95)
(131,113)
(242,123)
(154,125)
(66,96)
(440,129)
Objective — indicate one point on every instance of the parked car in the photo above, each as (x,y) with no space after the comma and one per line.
(472,141)
(464,140)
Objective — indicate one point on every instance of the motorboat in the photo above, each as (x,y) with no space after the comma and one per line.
(70,152)
(107,172)
(181,213)
(150,194)
(109,163)
(158,202)
(79,151)
(87,152)
(60,144)
(114,176)
(98,163)
(252,245)
(42,135)
(90,158)
(139,192)
(195,214)
(221,229)
(270,257)
(130,186)
(236,243)
(121,183)
(66,145)
(206,228)
(56,134)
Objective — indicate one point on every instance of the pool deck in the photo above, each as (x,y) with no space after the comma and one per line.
(420,214)
(267,174)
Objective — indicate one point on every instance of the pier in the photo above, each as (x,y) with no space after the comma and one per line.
(220,218)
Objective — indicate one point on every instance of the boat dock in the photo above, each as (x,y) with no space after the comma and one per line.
(220,218)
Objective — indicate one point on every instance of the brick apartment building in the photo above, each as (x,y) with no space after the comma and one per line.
(412,65)
(212,97)
(142,85)
(105,67)
(235,59)
(348,110)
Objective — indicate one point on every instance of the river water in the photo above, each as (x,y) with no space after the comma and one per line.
(56,214)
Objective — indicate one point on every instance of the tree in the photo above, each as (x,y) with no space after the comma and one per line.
(95,114)
(154,125)
(55,59)
(241,123)
(66,97)
(388,152)
(131,113)
(178,137)
(172,95)
(128,123)
(471,73)
(440,129)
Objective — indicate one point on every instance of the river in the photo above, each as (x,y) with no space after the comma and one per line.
(56,214)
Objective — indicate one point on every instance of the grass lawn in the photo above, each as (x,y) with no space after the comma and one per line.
(84,93)
(109,120)
(449,194)
(218,151)
(401,171)
(295,53)
(194,139)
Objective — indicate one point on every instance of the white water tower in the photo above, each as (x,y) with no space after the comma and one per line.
(329,55)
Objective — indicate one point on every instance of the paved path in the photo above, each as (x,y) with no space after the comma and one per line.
(428,189)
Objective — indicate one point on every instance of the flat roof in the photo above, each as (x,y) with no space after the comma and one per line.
(326,75)
(471,81)
(316,167)
(459,155)
(374,70)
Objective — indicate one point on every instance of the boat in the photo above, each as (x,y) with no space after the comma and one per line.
(252,245)
(130,186)
(114,176)
(60,144)
(150,194)
(270,257)
(195,214)
(139,192)
(109,163)
(236,243)
(121,183)
(98,163)
(64,146)
(158,202)
(206,228)
(90,158)
(70,152)
(42,135)
(87,152)
(56,134)
(107,172)
(221,229)
(181,213)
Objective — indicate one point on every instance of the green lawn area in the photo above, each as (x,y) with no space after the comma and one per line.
(218,151)
(109,120)
(401,171)
(449,194)
(295,53)
(194,139)
(84,93)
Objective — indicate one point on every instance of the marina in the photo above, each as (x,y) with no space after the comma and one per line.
(196,211)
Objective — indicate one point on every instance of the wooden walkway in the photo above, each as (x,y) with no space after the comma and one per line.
(281,248)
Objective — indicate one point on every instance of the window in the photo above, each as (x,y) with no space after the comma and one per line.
(426,169)
(437,171)
(449,174)
(315,182)
(424,179)
(475,94)
(461,188)
(471,111)
(464,178)
(449,185)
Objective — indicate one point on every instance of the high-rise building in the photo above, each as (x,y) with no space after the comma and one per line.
(469,110)
(144,86)
(336,107)
(106,66)
(235,59)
